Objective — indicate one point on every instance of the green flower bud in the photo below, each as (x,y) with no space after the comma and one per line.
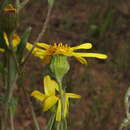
(59,66)
(8,21)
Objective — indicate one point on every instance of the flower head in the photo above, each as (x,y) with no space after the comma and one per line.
(9,8)
(45,51)
(49,97)
(15,41)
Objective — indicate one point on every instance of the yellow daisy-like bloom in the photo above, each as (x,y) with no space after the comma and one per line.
(50,98)
(9,8)
(45,51)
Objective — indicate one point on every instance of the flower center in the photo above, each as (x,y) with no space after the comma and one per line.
(58,49)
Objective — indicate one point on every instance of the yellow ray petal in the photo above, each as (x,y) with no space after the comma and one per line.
(58,113)
(82,46)
(49,102)
(48,86)
(2,50)
(81,60)
(16,39)
(36,51)
(72,95)
(66,106)
(96,55)
(6,39)
(43,45)
(38,95)
(55,85)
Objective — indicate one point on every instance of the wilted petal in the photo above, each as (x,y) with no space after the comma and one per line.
(46,59)
(38,95)
(49,102)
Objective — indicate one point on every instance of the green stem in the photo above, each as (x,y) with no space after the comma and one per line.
(11,120)
(11,84)
(62,99)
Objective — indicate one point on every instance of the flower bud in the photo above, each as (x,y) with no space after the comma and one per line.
(59,66)
(8,19)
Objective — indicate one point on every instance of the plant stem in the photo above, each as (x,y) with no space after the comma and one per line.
(11,120)
(11,84)
(62,99)
(32,110)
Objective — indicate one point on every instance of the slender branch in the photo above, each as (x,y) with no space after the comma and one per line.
(45,24)
(11,120)
(31,108)
(40,34)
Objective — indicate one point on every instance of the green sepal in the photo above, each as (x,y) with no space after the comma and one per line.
(59,66)
(22,45)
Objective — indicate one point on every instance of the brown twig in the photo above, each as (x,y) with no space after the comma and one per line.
(31,108)
(40,34)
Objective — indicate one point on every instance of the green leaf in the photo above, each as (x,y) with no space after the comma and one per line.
(51,122)
(51,2)
(4,3)
(22,45)
(126,122)
(1,68)
(64,124)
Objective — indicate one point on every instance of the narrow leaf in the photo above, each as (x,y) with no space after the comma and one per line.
(22,44)
(50,123)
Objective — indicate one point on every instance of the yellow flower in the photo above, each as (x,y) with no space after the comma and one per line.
(45,51)
(49,98)
(9,8)
(15,41)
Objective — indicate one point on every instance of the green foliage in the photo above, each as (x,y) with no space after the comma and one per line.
(13,105)
(98,30)
(50,122)
(22,45)
(1,68)
(4,3)
(50,2)
(61,125)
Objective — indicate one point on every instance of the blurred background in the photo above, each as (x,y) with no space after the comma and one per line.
(102,84)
